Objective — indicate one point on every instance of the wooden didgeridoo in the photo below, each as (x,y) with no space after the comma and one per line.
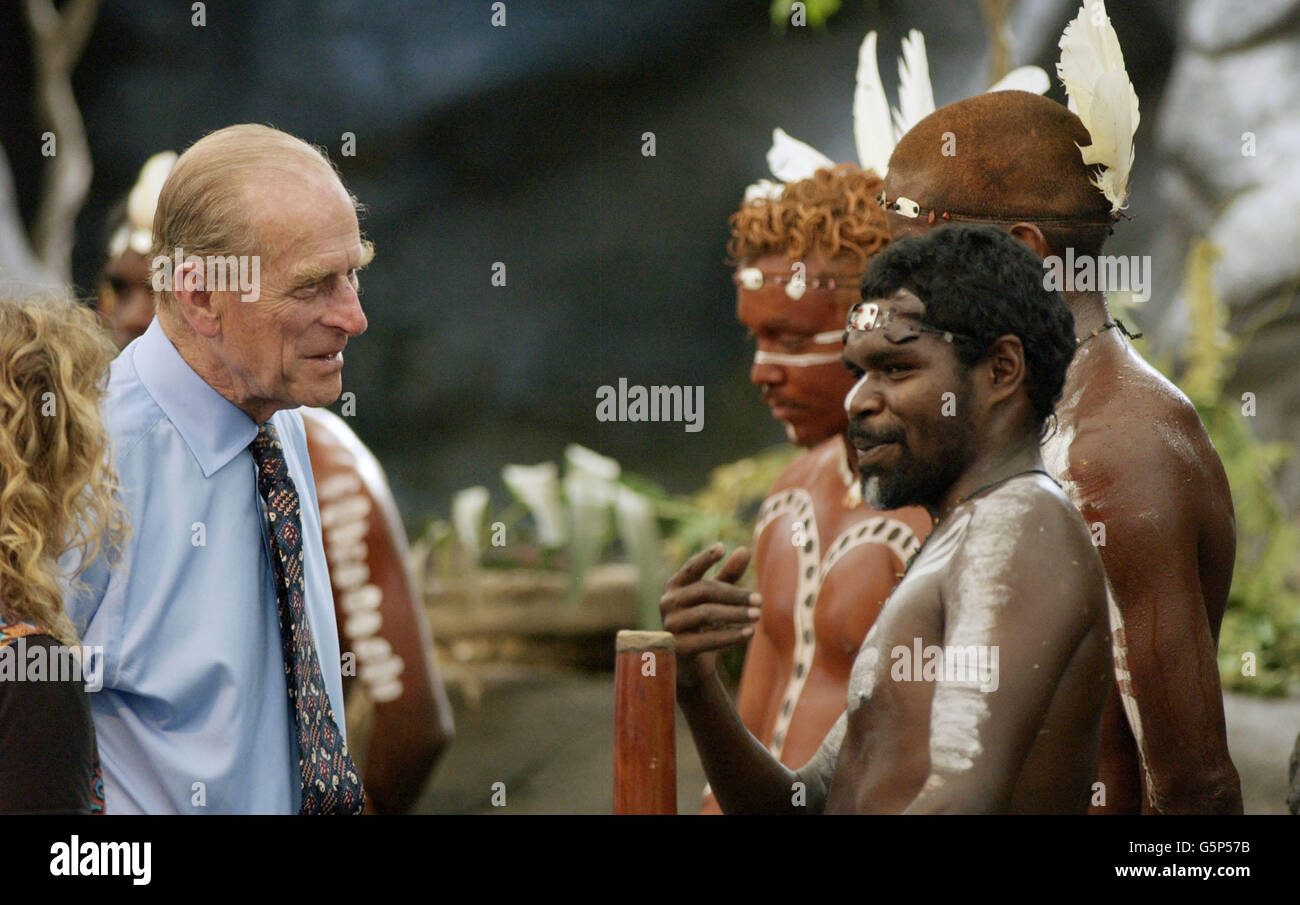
(645,756)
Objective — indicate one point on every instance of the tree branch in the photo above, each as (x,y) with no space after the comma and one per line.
(57,43)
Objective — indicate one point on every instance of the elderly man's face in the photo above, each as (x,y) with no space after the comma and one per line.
(286,348)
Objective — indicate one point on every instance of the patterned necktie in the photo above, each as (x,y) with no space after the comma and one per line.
(330,784)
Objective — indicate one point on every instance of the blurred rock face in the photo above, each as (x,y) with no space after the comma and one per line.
(1230,128)
(523,146)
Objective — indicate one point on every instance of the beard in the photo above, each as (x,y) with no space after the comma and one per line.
(922,478)
(913,481)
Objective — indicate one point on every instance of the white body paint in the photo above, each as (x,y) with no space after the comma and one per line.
(862,680)
(959,712)
(1056,457)
(848,399)
(830,336)
(797,504)
(345,514)
(1124,681)
(1056,450)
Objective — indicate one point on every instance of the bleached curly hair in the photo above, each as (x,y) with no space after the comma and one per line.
(58,491)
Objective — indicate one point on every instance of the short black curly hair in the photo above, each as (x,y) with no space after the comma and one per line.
(982,283)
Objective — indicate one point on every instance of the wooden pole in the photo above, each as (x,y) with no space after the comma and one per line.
(645,756)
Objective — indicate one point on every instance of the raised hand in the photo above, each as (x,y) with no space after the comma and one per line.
(707,615)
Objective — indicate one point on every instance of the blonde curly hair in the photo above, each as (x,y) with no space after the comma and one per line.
(58,491)
(834,210)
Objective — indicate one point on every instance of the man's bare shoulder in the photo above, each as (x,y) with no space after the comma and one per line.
(1130,424)
(1028,511)
(810,464)
(1153,416)
(1026,532)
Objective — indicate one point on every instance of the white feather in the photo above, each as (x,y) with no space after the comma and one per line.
(1033,79)
(791,160)
(1111,127)
(764,189)
(872,130)
(915,94)
(1101,95)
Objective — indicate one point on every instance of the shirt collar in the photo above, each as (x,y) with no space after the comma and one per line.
(212,426)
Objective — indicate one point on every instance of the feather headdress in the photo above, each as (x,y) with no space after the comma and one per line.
(137,232)
(1100,94)
(876,129)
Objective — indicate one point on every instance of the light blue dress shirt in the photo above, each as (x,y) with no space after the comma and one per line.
(194,714)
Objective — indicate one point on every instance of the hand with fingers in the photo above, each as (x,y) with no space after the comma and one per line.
(707,615)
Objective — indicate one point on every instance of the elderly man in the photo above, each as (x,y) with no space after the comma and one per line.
(222,688)
(981,684)
(377,606)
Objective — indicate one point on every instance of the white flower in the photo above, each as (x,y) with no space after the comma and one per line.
(538,488)
(467,510)
(589,484)
(636,525)
(579,458)
(639,531)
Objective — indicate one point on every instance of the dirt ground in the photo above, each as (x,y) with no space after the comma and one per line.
(548,736)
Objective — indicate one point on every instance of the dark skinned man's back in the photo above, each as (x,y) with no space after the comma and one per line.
(1132,454)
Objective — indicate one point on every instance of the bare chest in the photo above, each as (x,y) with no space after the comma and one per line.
(824,568)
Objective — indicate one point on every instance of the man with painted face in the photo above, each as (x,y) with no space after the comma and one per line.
(1128,448)
(981,684)
(824,561)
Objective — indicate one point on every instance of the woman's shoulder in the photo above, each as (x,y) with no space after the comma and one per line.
(11,629)
(48,761)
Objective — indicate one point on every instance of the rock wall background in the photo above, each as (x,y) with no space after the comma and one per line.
(522,145)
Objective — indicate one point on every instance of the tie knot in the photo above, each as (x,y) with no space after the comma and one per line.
(269,456)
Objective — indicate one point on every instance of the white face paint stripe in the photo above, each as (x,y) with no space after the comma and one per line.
(831,336)
(848,400)
(797,361)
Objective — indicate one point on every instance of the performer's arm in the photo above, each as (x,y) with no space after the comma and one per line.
(1176,706)
(706,616)
(412,730)
(362,528)
(756,681)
